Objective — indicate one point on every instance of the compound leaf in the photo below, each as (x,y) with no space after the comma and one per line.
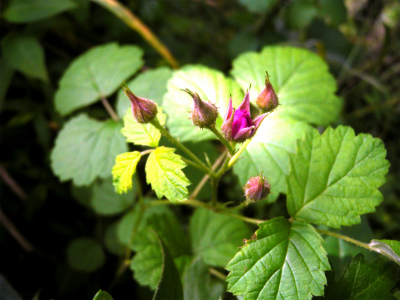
(96,74)
(124,169)
(211,85)
(85,149)
(142,134)
(164,173)
(215,237)
(334,178)
(286,260)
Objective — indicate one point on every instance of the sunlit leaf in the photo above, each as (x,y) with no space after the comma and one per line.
(124,169)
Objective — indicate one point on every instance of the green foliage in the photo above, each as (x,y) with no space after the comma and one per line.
(74,155)
(102,295)
(285,259)
(259,6)
(170,285)
(334,177)
(388,248)
(211,85)
(85,255)
(215,238)
(21,11)
(363,280)
(96,74)
(164,173)
(124,169)
(25,54)
(140,133)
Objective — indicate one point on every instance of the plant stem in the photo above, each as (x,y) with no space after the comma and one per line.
(237,154)
(347,239)
(222,139)
(196,162)
(217,274)
(134,22)
(109,109)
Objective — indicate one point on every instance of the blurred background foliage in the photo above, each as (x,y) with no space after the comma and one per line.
(359,39)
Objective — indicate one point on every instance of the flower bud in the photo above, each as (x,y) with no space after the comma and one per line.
(267,100)
(204,113)
(257,188)
(144,110)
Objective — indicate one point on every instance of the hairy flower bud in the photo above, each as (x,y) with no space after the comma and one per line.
(144,110)
(267,100)
(257,188)
(204,113)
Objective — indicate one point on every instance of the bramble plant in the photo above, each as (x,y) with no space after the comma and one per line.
(266,137)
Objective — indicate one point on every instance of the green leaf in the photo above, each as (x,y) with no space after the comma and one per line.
(299,14)
(96,74)
(198,284)
(147,262)
(25,54)
(211,85)
(106,202)
(142,134)
(216,237)
(258,6)
(362,281)
(85,255)
(334,178)
(124,169)
(285,261)
(151,85)
(268,152)
(86,149)
(111,241)
(388,248)
(170,285)
(164,173)
(300,78)
(102,295)
(21,11)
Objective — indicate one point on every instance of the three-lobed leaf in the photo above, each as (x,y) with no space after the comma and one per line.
(96,74)
(164,173)
(124,169)
(142,134)
(334,177)
(286,260)
(86,149)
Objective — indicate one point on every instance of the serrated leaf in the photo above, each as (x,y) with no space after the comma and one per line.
(85,255)
(170,285)
(388,248)
(142,134)
(124,169)
(21,11)
(300,78)
(334,178)
(102,295)
(363,281)
(216,237)
(268,152)
(285,261)
(164,173)
(106,202)
(147,262)
(211,85)
(86,149)
(95,74)
(151,84)
(25,54)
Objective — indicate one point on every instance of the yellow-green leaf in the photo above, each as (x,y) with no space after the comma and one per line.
(123,170)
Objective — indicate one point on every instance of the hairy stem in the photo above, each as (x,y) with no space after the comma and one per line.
(196,162)
(347,239)
(134,22)
(237,154)
(222,139)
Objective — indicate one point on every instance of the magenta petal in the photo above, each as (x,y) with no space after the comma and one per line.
(245,105)
(244,133)
(229,110)
(257,121)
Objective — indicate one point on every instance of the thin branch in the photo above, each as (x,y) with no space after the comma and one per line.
(24,243)
(217,273)
(109,109)
(14,186)
(134,22)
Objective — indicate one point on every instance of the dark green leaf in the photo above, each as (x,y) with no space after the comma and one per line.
(85,255)
(258,6)
(102,295)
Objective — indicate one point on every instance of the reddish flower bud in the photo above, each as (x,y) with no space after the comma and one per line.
(144,110)
(267,100)
(238,125)
(257,188)
(204,113)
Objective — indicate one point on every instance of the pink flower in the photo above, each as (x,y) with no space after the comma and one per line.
(238,125)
